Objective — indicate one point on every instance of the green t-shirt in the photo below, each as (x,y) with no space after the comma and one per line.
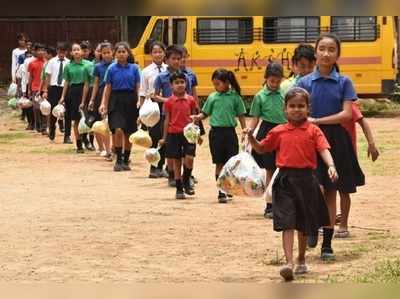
(77,73)
(288,84)
(91,65)
(43,74)
(223,108)
(268,105)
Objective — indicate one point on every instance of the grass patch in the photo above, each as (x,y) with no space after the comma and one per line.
(370,107)
(277,260)
(10,137)
(385,272)
(52,151)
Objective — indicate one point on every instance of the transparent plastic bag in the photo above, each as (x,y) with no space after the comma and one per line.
(12,90)
(24,103)
(58,111)
(149,113)
(45,107)
(12,103)
(141,138)
(82,127)
(152,155)
(268,193)
(191,133)
(241,176)
(101,127)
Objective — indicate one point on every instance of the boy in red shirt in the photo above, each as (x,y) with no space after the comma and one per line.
(178,109)
(35,69)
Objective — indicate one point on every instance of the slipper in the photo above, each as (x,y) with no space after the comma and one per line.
(342,234)
(301,269)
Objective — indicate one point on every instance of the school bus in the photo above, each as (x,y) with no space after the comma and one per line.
(246,45)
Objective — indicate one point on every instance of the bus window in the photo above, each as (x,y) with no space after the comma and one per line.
(224,31)
(291,29)
(179,31)
(355,28)
(156,35)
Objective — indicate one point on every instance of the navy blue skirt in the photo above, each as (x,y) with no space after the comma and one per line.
(266,160)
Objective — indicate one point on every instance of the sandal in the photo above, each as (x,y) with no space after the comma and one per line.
(342,234)
(301,269)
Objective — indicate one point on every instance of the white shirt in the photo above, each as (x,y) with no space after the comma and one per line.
(25,73)
(14,60)
(53,67)
(148,76)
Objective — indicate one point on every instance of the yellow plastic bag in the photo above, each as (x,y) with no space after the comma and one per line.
(141,138)
(101,127)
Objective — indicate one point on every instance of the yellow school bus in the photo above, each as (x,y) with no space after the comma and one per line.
(246,45)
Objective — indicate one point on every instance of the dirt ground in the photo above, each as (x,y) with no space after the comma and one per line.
(68,217)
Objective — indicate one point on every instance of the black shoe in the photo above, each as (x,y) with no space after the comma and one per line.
(194,180)
(268,212)
(118,166)
(154,174)
(188,189)
(180,194)
(67,140)
(327,254)
(52,135)
(29,127)
(89,147)
(171,182)
(125,166)
(80,151)
(312,240)
(222,197)
(162,173)
(44,133)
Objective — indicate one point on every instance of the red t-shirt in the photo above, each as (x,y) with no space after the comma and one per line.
(35,70)
(179,110)
(296,147)
(350,125)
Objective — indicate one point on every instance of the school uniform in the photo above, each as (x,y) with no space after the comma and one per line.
(99,72)
(76,74)
(14,61)
(122,108)
(327,96)
(350,125)
(267,105)
(223,108)
(179,111)
(297,200)
(288,84)
(162,84)
(35,70)
(148,77)
(55,68)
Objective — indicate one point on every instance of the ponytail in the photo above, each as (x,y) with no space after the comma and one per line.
(336,66)
(226,76)
(234,83)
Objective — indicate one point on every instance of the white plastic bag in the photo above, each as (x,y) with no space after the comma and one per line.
(58,111)
(191,133)
(268,193)
(152,155)
(141,138)
(241,176)
(12,90)
(45,107)
(82,127)
(24,103)
(149,113)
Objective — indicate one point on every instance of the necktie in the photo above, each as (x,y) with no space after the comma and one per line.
(60,73)
(159,68)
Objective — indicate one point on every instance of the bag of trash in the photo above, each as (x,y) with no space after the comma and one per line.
(12,90)
(24,103)
(12,103)
(82,127)
(58,111)
(149,113)
(141,138)
(191,133)
(152,156)
(101,127)
(241,176)
(45,107)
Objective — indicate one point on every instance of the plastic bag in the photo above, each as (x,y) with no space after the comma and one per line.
(58,111)
(268,193)
(24,103)
(45,107)
(12,103)
(82,127)
(152,156)
(141,138)
(241,176)
(12,90)
(191,133)
(149,113)
(101,127)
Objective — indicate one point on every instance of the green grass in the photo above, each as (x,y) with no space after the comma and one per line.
(50,151)
(11,137)
(385,272)
(377,108)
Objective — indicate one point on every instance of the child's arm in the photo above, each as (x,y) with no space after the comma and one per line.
(165,130)
(64,93)
(338,118)
(105,99)
(256,145)
(84,95)
(198,117)
(254,122)
(372,150)
(242,120)
(158,98)
(327,158)
(46,86)
(94,92)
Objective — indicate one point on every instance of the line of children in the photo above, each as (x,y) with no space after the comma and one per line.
(178,109)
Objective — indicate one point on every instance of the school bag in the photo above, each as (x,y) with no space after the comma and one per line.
(149,113)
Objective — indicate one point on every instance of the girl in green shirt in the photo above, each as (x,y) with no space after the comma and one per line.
(268,105)
(223,106)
